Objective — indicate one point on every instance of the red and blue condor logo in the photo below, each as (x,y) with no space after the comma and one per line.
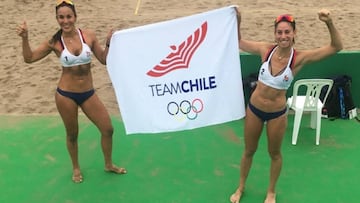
(180,56)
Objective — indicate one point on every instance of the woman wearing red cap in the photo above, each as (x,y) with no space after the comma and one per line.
(267,104)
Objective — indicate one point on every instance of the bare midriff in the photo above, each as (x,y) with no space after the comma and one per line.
(268,99)
(76,79)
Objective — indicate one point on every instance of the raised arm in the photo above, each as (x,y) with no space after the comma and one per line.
(29,55)
(99,52)
(334,46)
(253,47)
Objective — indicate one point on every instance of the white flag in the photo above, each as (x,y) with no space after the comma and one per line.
(179,74)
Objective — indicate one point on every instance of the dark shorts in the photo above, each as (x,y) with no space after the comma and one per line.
(264,116)
(78,98)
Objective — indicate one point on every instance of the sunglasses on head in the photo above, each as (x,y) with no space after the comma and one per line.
(64,1)
(287,18)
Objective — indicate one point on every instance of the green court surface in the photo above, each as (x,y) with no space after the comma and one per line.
(200,165)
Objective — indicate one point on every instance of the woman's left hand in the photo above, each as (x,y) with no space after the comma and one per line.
(108,37)
(324,15)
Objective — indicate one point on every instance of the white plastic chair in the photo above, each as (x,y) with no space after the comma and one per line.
(309,102)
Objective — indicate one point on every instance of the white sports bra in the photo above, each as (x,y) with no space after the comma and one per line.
(281,81)
(68,59)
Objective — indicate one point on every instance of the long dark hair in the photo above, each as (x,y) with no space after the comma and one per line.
(57,36)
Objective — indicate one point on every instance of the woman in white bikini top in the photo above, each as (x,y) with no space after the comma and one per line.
(268,101)
(75,87)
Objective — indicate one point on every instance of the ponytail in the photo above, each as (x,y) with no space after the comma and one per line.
(57,36)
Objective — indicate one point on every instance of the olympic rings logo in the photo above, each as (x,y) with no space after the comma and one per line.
(185,109)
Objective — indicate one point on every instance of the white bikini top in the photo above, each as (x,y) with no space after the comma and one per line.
(68,59)
(280,81)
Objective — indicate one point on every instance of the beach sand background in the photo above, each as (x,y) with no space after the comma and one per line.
(30,88)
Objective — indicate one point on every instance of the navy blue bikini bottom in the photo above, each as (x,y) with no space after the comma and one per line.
(78,98)
(264,116)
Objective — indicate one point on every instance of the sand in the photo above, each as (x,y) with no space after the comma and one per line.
(30,88)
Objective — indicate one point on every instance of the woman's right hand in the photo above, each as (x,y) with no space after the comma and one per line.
(22,30)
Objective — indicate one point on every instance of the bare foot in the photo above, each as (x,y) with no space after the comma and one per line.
(77,176)
(270,198)
(235,198)
(115,169)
